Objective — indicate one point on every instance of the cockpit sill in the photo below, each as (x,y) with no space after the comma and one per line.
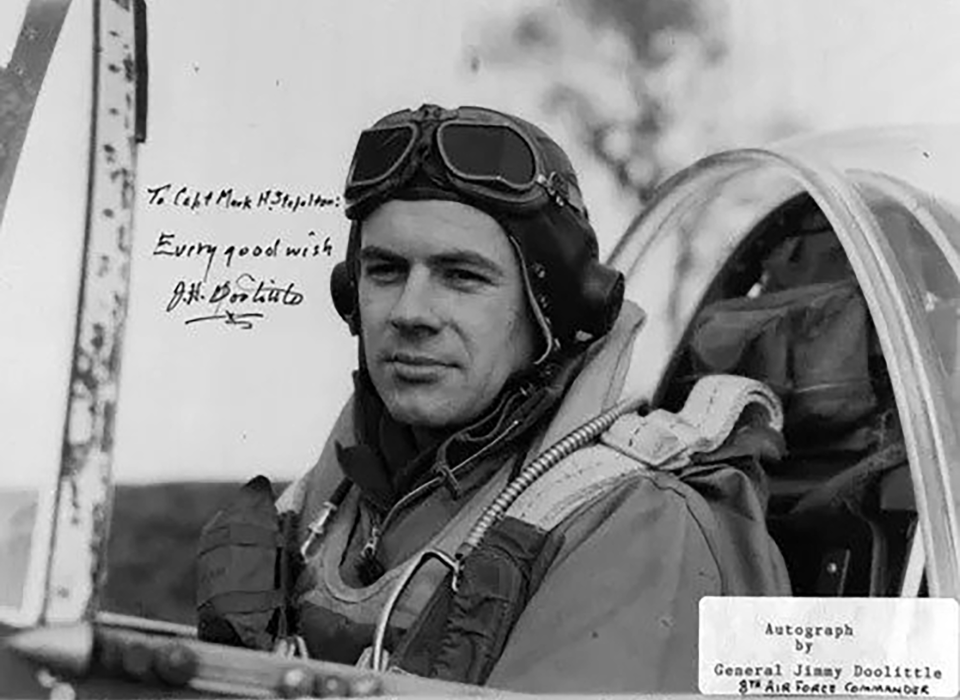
(168,658)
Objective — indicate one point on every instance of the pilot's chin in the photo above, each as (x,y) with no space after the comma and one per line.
(424,410)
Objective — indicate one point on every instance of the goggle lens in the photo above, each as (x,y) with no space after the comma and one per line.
(379,152)
(485,153)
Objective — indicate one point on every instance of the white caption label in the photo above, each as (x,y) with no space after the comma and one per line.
(829,646)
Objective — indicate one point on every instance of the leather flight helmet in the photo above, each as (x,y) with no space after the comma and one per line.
(572,294)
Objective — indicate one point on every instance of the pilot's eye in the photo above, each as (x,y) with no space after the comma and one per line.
(465,277)
(382,271)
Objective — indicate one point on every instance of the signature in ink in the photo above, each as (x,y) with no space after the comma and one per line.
(230,317)
(247,288)
(184,294)
(226,296)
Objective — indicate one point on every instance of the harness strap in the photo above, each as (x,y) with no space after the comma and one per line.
(661,440)
(464,629)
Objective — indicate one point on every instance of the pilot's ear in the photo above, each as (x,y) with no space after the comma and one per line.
(343,283)
(343,289)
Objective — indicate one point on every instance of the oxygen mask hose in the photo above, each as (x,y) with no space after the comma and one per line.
(538,467)
(545,461)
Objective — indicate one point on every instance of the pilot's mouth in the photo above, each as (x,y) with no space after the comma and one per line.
(416,368)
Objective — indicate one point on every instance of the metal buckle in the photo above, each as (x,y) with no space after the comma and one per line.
(378,659)
(562,192)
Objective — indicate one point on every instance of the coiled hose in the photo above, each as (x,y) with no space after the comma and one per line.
(545,461)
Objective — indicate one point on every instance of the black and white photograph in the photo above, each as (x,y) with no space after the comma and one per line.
(479,348)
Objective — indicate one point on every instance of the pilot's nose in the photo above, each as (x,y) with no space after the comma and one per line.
(415,307)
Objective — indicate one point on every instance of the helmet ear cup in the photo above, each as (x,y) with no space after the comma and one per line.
(344,292)
(601,295)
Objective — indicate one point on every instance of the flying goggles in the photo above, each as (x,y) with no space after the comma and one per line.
(483,154)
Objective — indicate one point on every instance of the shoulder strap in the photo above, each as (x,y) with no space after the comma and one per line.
(661,441)
(463,631)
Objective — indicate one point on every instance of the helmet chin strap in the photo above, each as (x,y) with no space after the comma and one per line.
(550,343)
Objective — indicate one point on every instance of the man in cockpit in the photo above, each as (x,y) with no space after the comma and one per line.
(487,331)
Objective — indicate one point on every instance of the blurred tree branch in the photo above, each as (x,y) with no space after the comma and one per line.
(604,62)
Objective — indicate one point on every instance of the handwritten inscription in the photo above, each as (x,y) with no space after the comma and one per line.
(237,283)
(228,198)
(244,289)
(169,245)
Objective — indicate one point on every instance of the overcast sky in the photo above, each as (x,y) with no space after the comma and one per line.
(261,94)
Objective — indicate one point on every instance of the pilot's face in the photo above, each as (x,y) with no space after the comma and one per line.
(443,310)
